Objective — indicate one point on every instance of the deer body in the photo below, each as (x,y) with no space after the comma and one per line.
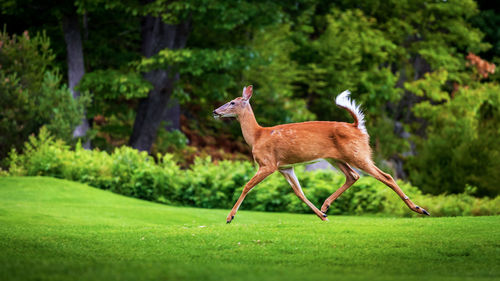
(283,146)
(309,141)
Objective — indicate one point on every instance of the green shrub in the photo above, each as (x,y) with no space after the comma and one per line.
(32,93)
(90,167)
(42,155)
(125,171)
(218,185)
(212,186)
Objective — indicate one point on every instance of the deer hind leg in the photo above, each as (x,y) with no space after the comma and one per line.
(289,175)
(350,178)
(373,170)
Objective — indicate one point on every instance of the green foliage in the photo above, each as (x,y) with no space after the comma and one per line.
(31,92)
(125,171)
(273,74)
(136,174)
(195,61)
(349,54)
(113,84)
(42,155)
(462,204)
(113,92)
(461,147)
(218,185)
(169,141)
(211,186)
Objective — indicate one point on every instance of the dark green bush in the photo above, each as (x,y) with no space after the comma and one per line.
(212,186)
(218,185)
(32,93)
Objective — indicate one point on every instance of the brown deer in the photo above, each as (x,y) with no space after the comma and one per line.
(281,147)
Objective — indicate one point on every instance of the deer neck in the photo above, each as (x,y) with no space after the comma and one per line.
(249,125)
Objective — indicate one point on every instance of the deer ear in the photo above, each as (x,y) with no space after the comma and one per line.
(247,92)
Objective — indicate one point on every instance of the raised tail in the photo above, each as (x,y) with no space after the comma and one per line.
(345,102)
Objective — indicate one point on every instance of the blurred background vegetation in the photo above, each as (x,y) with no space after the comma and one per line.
(147,74)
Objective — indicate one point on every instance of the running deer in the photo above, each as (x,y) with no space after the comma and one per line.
(281,147)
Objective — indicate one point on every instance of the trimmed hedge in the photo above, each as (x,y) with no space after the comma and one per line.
(218,185)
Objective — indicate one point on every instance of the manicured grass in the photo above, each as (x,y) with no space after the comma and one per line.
(59,230)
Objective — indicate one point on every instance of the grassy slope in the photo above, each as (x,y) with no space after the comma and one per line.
(56,229)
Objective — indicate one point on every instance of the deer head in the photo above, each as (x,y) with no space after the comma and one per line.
(235,107)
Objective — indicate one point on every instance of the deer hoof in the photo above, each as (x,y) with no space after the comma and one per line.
(422,211)
(324,209)
(324,215)
(229,220)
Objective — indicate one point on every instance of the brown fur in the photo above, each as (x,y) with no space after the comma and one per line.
(279,147)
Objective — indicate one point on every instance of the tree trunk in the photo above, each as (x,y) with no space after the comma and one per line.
(76,68)
(158,106)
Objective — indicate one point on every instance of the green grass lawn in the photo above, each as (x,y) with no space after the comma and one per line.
(60,230)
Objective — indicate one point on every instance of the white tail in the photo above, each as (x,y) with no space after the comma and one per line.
(343,100)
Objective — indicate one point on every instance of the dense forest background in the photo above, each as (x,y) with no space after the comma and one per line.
(149,73)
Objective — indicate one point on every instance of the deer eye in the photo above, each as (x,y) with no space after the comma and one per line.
(232,103)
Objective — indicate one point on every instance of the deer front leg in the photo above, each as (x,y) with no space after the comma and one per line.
(261,174)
